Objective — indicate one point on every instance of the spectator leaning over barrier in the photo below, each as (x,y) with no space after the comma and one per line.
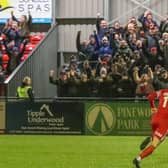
(25,91)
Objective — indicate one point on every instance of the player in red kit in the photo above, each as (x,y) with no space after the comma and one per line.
(159,123)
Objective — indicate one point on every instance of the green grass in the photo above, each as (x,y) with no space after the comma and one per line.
(76,152)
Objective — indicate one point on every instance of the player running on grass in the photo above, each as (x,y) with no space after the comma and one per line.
(159,123)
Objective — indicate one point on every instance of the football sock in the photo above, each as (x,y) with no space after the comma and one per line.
(145,143)
(147,151)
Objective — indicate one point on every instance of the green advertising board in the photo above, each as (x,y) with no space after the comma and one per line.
(117,118)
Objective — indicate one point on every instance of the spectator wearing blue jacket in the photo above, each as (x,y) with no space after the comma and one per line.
(102,27)
(105,50)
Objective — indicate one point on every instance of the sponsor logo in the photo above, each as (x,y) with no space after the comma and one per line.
(100,119)
(44,116)
(4,5)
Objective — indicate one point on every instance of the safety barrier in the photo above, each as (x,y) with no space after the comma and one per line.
(37,66)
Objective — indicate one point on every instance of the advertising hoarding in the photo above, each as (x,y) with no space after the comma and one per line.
(41,10)
(44,118)
(117,118)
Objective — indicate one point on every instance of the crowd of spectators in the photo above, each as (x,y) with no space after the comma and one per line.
(118,61)
(13,38)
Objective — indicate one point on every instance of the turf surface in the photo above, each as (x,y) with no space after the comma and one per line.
(76,152)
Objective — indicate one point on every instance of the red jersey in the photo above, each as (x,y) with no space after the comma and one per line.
(162,95)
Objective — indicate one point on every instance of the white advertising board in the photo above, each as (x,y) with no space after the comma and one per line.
(41,10)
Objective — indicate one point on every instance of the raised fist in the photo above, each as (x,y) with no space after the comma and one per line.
(98,14)
(51,73)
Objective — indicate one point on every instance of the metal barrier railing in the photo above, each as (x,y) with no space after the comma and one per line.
(76,99)
(37,66)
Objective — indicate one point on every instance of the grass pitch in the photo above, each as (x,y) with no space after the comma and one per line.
(76,152)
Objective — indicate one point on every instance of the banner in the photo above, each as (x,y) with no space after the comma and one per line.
(117,118)
(41,10)
(44,118)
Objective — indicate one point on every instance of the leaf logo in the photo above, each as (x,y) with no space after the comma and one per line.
(100,119)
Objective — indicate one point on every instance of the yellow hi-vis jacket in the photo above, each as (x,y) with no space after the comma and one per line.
(22,92)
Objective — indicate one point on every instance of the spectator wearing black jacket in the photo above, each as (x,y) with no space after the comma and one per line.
(91,50)
(15,55)
(161,80)
(61,82)
(86,69)
(151,47)
(164,25)
(13,35)
(6,28)
(81,47)
(118,29)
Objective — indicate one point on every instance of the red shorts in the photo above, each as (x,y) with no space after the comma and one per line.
(159,127)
